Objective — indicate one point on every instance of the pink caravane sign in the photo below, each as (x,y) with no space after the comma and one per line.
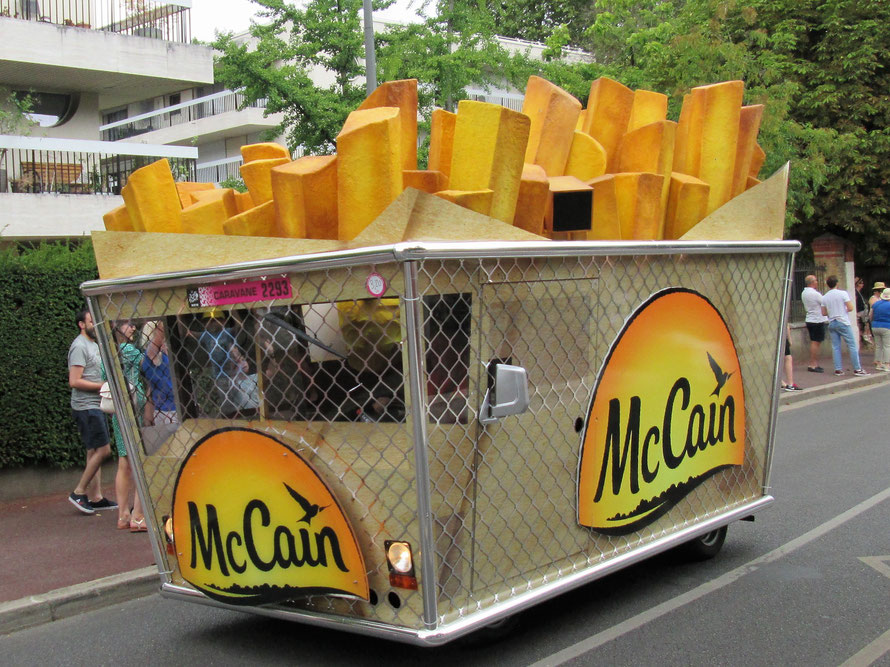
(225,294)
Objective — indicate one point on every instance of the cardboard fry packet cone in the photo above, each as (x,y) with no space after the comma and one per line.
(305,196)
(263,151)
(648,107)
(402,95)
(425,180)
(257,221)
(707,137)
(186,190)
(118,220)
(605,225)
(474,200)
(639,205)
(257,177)
(587,157)
(441,142)
(488,153)
(534,196)
(369,167)
(152,200)
(608,113)
(687,204)
(749,126)
(554,114)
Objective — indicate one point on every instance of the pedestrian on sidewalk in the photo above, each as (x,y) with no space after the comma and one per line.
(836,304)
(862,308)
(880,327)
(788,383)
(816,322)
(85,380)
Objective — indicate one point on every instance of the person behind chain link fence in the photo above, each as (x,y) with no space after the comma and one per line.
(160,404)
(816,322)
(880,326)
(85,380)
(836,304)
(131,362)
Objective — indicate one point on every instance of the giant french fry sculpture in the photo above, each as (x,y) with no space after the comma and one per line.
(617,170)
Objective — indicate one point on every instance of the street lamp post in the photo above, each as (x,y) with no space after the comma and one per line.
(370,57)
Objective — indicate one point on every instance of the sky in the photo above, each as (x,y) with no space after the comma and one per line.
(235,15)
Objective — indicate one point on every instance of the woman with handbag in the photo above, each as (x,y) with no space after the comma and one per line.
(131,360)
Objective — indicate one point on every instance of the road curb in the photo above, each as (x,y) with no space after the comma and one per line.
(66,602)
(788,398)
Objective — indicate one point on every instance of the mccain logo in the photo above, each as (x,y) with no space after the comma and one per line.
(253,523)
(668,411)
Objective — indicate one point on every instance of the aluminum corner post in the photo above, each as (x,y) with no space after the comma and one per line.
(413,327)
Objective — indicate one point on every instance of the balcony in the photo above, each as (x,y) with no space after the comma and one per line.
(209,118)
(72,166)
(101,47)
(169,20)
(60,188)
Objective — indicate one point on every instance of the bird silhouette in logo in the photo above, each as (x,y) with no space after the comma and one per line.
(719,375)
(310,510)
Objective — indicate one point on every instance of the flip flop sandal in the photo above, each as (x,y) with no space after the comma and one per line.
(123,524)
(138,525)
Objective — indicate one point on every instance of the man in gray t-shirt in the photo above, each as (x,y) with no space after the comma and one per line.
(85,380)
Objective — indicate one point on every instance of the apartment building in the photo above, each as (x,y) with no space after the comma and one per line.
(77,59)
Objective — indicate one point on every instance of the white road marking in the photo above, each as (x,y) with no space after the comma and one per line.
(870,654)
(880,563)
(638,621)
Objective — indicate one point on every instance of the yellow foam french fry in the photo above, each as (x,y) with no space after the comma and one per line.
(425,180)
(152,198)
(687,204)
(605,224)
(477,200)
(186,190)
(708,137)
(554,115)
(226,195)
(650,149)
(749,126)
(257,176)
(402,95)
(758,157)
(441,141)
(132,209)
(207,216)
(581,120)
(118,220)
(369,167)
(648,107)
(534,196)
(587,158)
(263,151)
(257,221)
(639,205)
(305,195)
(488,153)
(608,112)
(243,201)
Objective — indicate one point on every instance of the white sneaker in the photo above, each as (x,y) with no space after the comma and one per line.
(861,372)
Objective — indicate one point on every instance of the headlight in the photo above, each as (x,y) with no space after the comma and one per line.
(399,556)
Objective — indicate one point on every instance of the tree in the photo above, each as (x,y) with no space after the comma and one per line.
(277,63)
(14,110)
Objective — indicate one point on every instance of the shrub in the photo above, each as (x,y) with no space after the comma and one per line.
(39,297)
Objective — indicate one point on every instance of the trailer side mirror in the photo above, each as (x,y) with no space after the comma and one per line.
(508,394)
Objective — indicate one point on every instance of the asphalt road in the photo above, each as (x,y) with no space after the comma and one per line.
(807,584)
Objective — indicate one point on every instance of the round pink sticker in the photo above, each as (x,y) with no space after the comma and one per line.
(375,284)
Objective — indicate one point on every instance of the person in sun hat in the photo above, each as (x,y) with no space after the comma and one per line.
(880,326)
(876,290)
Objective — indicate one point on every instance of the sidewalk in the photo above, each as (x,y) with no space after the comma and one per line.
(57,562)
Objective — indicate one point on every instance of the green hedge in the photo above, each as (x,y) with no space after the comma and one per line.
(39,298)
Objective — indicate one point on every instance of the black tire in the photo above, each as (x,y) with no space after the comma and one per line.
(493,632)
(705,547)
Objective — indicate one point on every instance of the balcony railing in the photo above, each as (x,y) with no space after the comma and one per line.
(510,100)
(176,114)
(72,166)
(159,19)
(218,171)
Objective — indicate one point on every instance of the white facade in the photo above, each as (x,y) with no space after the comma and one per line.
(80,58)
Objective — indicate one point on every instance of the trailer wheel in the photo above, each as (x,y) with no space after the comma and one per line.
(705,546)
(493,632)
